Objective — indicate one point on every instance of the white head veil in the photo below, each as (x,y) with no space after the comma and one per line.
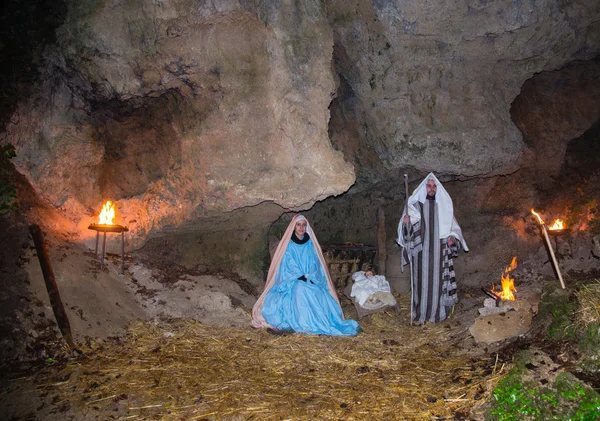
(257,317)
(448,226)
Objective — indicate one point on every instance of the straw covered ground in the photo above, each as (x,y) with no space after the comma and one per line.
(184,370)
(589,304)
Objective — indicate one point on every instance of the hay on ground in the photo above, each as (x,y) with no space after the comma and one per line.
(184,370)
(589,304)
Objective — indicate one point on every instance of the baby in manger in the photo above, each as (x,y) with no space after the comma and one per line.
(371,291)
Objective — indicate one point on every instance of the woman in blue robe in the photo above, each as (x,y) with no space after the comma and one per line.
(299,295)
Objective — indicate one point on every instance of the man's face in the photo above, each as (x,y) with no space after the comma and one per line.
(300,228)
(431,188)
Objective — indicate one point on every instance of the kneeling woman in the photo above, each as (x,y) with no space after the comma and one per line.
(299,294)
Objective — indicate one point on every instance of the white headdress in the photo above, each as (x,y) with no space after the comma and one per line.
(448,226)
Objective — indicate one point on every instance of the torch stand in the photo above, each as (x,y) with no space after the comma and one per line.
(109,228)
(551,250)
(564,232)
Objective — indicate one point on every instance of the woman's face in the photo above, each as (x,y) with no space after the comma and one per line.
(300,228)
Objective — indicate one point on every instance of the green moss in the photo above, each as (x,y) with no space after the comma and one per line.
(557,305)
(591,364)
(513,400)
(589,339)
(582,402)
(521,359)
(566,399)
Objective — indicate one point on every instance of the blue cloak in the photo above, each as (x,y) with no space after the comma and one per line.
(304,306)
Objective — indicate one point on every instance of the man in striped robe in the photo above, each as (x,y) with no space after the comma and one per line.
(430,238)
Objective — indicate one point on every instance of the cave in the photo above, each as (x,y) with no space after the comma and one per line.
(210,125)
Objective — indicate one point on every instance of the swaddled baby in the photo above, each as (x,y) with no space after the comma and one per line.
(371,291)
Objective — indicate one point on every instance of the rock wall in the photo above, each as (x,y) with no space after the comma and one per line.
(429,85)
(554,108)
(198,118)
(179,111)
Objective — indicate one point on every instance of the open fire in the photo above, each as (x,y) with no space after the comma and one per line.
(508,283)
(106,224)
(107,215)
(557,225)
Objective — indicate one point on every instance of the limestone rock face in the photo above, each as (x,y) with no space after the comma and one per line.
(179,110)
(554,108)
(429,85)
(205,121)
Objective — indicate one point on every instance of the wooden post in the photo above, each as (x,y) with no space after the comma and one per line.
(103,249)
(55,301)
(122,253)
(551,250)
(381,240)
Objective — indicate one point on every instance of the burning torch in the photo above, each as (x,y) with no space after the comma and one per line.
(545,231)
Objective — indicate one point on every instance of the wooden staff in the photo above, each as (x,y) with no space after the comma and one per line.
(57,306)
(410,262)
(381,240)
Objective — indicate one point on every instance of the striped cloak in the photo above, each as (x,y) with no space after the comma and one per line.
(433,277)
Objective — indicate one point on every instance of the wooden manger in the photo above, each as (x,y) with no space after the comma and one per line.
(345,259)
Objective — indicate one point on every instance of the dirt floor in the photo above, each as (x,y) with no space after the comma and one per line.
(160,342)
(181,356)
(180,369)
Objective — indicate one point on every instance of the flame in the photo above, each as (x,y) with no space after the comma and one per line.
(107,214)
(557,225)
(508,283)
(537,215)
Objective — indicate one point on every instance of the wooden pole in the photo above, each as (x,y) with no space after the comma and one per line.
(409,254)
(103,249)
(560,278)
(51,287)
(381,240)
(122,253)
